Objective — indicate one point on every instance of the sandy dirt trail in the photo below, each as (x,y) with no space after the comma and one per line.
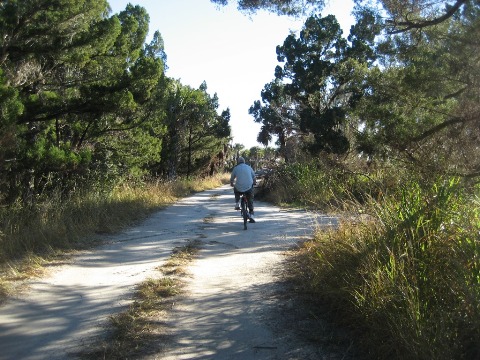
(227,313)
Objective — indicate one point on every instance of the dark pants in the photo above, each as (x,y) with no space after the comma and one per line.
(249,194)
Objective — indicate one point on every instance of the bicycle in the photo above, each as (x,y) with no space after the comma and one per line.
(244,209)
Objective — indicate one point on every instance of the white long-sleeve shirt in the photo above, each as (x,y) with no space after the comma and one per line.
(245,177)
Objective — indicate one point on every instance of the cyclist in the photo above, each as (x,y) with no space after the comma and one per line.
(245,180)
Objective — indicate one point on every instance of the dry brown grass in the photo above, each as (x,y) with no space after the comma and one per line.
(31,237)
(405,280)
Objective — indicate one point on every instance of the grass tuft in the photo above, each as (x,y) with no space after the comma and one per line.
(135,330)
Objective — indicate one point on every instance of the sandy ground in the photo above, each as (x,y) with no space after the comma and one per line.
(232,305)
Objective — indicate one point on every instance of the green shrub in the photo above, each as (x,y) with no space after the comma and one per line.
(408,276)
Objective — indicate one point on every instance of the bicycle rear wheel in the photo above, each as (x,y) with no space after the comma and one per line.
(244,212)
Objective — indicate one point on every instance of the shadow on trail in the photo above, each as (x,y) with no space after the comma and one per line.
(67,309)
(232,294)
(229,326)
(33,327)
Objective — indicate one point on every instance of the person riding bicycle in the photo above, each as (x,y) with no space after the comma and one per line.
(244,178)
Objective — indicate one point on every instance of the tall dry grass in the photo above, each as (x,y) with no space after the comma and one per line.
(31,236)
(322,186)
(406,279)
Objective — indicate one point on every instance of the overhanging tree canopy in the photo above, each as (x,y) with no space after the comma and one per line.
(281,7)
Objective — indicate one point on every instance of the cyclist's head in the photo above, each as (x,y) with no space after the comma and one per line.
(241,160)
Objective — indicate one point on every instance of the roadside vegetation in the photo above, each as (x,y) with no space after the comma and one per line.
(93,134)
(34,236)
(401,273)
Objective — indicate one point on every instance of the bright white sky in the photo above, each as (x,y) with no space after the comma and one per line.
(232,52)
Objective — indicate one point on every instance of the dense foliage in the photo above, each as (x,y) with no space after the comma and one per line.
(85,101)
(402,277)
(390,119)
(387,91)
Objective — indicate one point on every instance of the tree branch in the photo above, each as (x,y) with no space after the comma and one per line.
(438,128)
(409,25)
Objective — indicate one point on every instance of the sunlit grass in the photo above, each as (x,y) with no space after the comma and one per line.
(31,236)
(406,279)
(317,186)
